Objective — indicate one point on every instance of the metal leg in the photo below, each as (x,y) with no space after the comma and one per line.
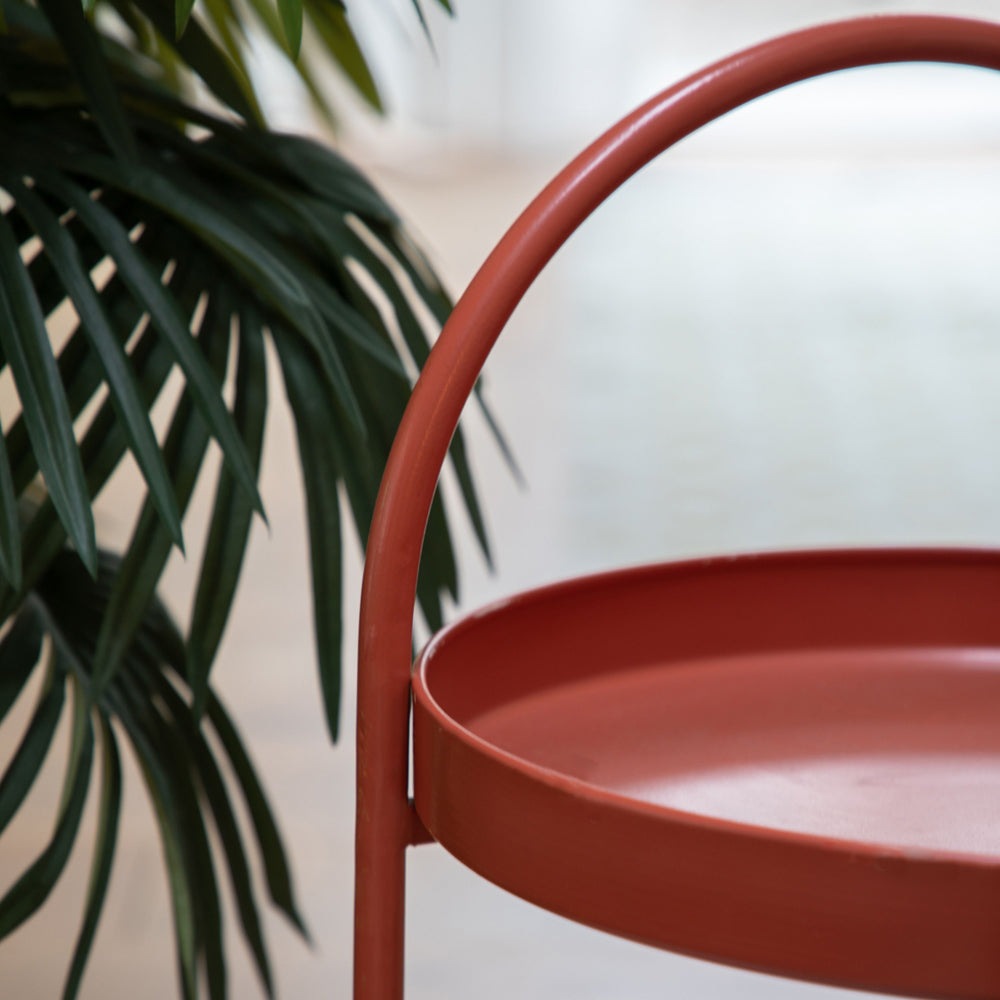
(384,823)
(379,922)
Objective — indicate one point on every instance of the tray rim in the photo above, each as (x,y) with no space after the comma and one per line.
(557,780)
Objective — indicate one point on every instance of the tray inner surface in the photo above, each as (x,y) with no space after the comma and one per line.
(893,747)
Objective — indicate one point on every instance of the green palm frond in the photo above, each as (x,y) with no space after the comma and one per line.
(148,706)
(257,233)
(207,44)
(179,240)
(209,41)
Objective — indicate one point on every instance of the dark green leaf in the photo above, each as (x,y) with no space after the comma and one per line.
(149,547)
(276,283)
(295,218)
(162,307)
(158,639)
(175,757)
(320,478)
(196,48)
(107,347)
(47,282)
(25,344)
(81,45)
(217,798)
(224,225)
(291,20)
(10,528)
(31,890)
(352,245)
(231,515)
(423,22)
(104,850)
(272,851)
(426,285)
(231,32)
(332,27)
(270,20)
(330,176)
(176,760)
(182,13)
(79,371)
(30,755)
(19,652)
(384,398)
(135,718)
(102,447)
(348,322)
(416,266)
(81,376)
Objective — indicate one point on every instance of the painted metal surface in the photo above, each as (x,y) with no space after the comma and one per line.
(787,762)
(386,822)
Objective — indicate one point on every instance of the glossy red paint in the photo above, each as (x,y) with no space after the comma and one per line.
(650,844)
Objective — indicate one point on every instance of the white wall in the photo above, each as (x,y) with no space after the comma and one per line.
(521,75)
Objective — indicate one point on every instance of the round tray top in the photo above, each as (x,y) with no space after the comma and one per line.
(771,761)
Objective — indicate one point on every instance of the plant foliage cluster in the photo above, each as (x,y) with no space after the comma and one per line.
(174,238)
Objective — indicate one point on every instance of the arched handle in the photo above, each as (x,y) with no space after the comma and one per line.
(418,453)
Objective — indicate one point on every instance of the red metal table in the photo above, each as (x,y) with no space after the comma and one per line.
(787,762)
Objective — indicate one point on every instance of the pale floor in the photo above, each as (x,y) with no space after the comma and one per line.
(735,356)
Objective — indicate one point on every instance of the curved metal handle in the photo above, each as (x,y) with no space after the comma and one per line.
(385,824)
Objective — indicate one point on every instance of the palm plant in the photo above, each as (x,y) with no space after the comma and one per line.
(167,237)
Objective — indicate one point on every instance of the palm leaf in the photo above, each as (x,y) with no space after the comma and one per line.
(229,169)
(291,21)
(79,369)
(30,755)
(31,890)
(286,216)
(321,480)
(182,13)
(174,752)
(149,547)
(184,780)
(105,840)
(19,652)
(102,446)
(272,852)
(218,801)
(94,321)
(229,29)
(82,45)
(10,531)
(216,238)
(231,516)
(269,19)
(25,344)
(145,285)
(198,52)
(159,790)
(337,36)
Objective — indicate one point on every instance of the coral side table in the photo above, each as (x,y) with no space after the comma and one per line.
(786,762)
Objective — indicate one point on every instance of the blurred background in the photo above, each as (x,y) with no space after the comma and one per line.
(782,334)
